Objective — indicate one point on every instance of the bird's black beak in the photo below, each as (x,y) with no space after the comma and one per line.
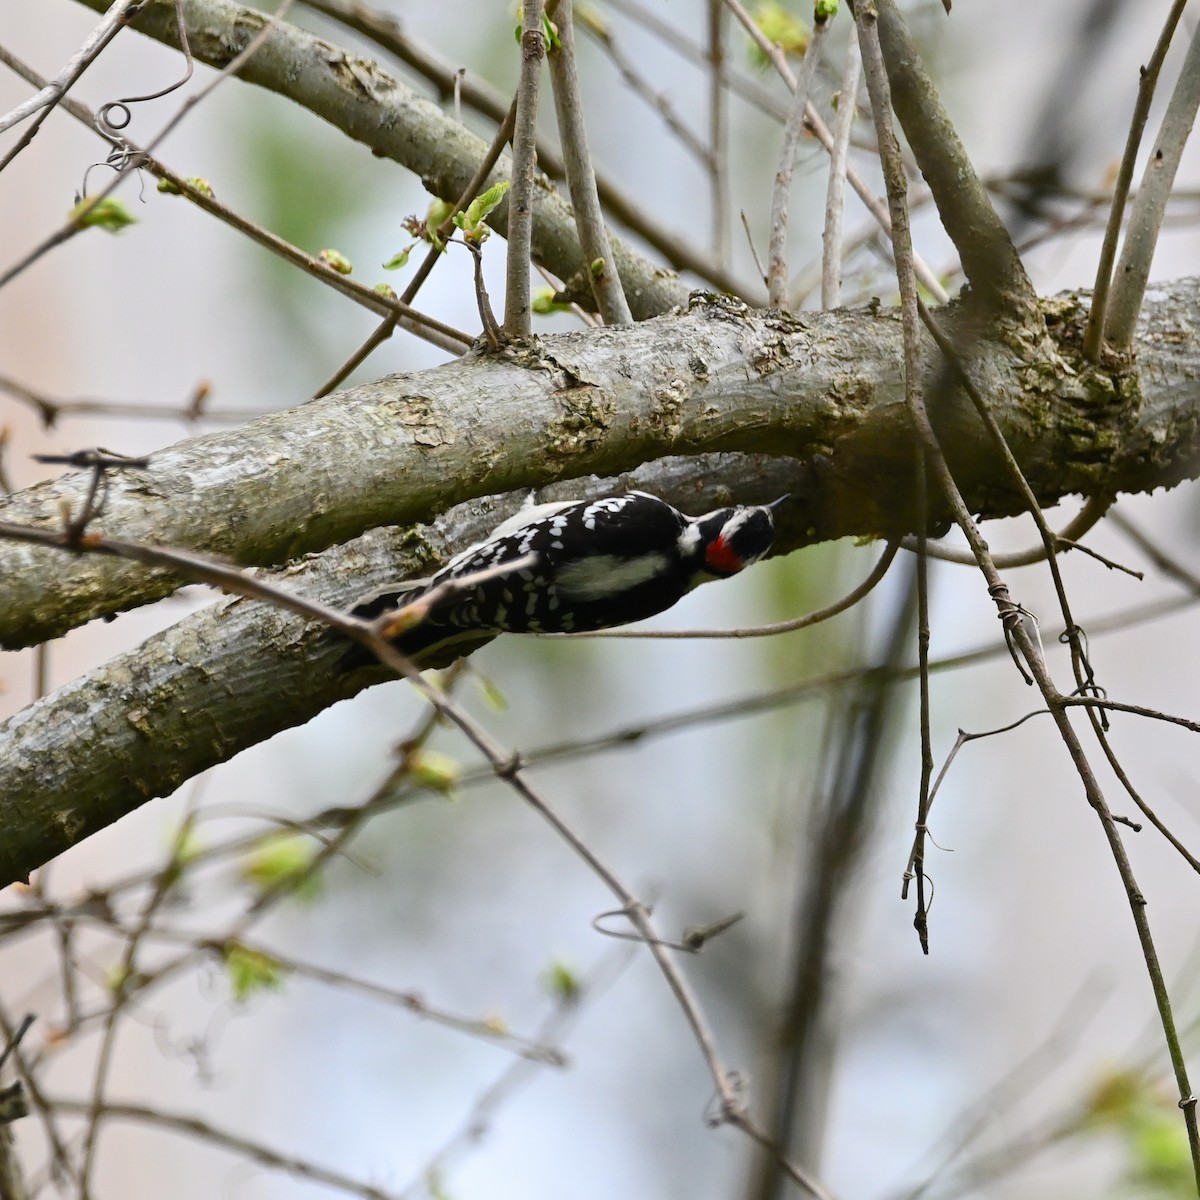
(777,503)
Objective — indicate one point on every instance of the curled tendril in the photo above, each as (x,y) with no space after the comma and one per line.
(116,115)
(113,116)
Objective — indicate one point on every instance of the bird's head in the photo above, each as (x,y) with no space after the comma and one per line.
(723,542)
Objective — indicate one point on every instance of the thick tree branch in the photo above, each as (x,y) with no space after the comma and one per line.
(828,395)
(825,392)
(236,673)
(357,96)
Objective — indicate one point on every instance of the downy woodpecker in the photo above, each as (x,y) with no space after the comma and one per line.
(596,563)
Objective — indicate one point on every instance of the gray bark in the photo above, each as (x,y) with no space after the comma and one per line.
(824,391)
(813,407)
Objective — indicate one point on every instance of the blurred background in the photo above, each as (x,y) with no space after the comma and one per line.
(1021,1058)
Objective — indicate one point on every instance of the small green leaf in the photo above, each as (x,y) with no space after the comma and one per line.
(109,214)
(195,182)
(780,26)
(399,260)
(563,983)
(493,697)
(251,971)
(386,291)
(284,860)
(337,260)
(437,772)
(201,185)
(439,210)
(544,303)
(824,9)
(471,222)
(121,981)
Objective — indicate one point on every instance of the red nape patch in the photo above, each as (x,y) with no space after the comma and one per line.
(721,558)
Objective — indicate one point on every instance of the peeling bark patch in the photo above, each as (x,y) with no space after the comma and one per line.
(668,408)
(139,718)
(415,413)
(586,417)
(718,307)
(357,74)
(770,355)
(70,822)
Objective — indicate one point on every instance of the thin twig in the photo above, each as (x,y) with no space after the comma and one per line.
(1102,736)
(75,223)
(916,854)
(875,204)
(1164,562)
(122,990)
(989,259)
(1148,209)
(640,86)
(622,206)
(50,92)
(1093,338)
(718,139)
(793,130)
(1068,539)
(581,179)
(432,257)
(520,198)
(235,1143)
(565,1013)
(440,334)
(924,795)
(835,192)
(59,1154)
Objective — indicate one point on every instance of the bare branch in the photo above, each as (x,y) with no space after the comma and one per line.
(520,199)
(875,204)
(1086,519)
(568,104)
(831,237)
(115,19)
(625,208)
(1150,205)
(236,1143)
(448,338)
(718,137)
(1094,337)
(777,268)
